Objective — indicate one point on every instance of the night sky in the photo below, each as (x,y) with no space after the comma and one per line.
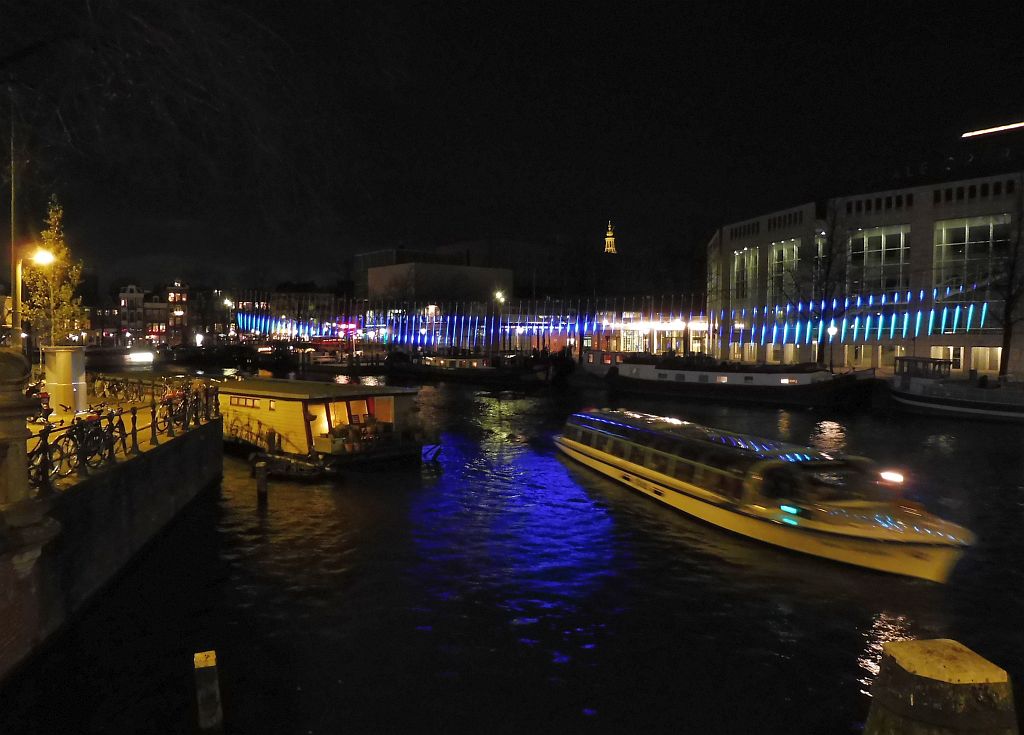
(366,125)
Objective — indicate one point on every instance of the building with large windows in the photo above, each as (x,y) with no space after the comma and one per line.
(919,270)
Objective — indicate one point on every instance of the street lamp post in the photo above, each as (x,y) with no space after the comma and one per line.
(40,257)
(832,332)
(499,296)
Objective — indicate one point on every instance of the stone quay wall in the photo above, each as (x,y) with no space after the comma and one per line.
(104,521)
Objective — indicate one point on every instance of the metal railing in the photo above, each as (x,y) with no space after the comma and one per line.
(58,456)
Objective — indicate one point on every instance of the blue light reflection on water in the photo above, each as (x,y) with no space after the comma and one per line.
(508,523)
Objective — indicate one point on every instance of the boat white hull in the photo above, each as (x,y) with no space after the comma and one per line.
(933,562)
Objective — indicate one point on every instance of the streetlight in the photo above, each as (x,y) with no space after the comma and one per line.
(832,332)
(499,296)
(41,257)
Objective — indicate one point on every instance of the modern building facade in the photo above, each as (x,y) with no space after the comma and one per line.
(858,280)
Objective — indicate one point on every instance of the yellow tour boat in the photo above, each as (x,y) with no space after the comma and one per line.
(836,507)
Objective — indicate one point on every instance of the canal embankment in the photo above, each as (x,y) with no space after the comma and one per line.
(64,538)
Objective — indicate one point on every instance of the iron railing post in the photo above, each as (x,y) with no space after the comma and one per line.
(135,430)
(152,423)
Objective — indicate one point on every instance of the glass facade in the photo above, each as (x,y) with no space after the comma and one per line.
(879,259)
(782,264)
(970,252)
(744,275)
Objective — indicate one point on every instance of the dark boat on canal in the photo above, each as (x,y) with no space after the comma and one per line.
(702,377)
(500,370)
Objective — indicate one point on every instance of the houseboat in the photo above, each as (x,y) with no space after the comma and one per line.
(834,507)
(312,429)
(924,385)
(699,377)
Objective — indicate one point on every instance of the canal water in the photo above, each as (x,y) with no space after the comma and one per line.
(507,590)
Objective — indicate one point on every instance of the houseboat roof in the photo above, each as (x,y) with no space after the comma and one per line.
(308,390)
(766,448)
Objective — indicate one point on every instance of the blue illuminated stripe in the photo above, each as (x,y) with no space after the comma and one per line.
(790,509)
(931,321)
(970,316)
(956,317)
(906,323)
(984,311)
(790,521)
(945,313)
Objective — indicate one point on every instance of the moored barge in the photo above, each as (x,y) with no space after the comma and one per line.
(307,428)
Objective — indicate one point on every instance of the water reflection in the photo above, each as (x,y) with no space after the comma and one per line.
(942,443)
(884,629)
(828,436)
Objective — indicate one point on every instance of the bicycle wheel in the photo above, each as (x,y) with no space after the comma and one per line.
(68,456)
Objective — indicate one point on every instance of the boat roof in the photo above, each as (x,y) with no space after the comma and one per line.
(309,389)
(747,443)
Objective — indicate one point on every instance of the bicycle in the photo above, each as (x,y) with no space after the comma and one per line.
(57,460)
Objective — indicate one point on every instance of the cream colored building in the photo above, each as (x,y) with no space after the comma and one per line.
(916,270)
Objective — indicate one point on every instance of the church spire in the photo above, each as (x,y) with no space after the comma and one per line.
(609,239)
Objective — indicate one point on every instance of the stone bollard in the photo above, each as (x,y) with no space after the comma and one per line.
(25,526)
(208,691)
(261,484)
(939,687)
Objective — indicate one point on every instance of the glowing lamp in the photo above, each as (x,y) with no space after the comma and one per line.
(892,476)
(43,257)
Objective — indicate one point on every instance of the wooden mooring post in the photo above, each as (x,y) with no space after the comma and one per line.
(208,691)
(261,484)
(939,687)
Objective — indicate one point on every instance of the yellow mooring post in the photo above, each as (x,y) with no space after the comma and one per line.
(208,691)
(939,687)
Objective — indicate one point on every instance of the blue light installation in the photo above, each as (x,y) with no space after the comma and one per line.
(970,316)
(917,324)
(945,310)
(956,317)
(931,321)
(984,311)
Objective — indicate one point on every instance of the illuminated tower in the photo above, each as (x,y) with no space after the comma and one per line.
(609,239)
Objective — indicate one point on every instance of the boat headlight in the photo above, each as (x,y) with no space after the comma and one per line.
(892,476)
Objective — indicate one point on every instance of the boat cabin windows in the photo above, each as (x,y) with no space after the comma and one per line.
(660,462)
(636,454)
(272,404)
(826,482)
(244,402)
(923,367)
(683,470)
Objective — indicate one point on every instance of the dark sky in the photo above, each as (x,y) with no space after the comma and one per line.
(425,123)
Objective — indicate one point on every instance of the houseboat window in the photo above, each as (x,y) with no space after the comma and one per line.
(600,440)
(272,404)
(617,448)
(636,454)
(244,402)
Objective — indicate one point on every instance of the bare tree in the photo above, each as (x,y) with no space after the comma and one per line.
(1008,280)
(821,272)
